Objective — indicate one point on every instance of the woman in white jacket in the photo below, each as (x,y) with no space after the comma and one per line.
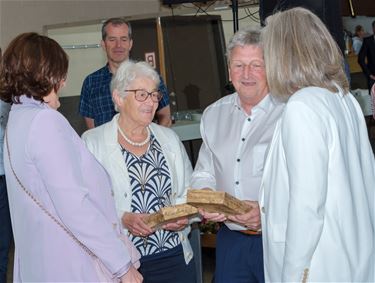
(317,195)
(149,169)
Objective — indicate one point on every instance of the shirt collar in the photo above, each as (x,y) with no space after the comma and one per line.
(30,101)
(264,105)
(108,70)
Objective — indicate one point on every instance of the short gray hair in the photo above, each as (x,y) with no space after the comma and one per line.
(128,72)
(245,36)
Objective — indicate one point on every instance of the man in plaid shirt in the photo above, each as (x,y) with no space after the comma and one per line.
(96,104)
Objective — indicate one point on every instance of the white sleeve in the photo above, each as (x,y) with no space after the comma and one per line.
(187,171)
(304,139)
(204,173)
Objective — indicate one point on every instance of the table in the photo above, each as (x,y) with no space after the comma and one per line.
(188,130)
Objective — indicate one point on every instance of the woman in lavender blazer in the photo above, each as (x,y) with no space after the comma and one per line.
(53,164)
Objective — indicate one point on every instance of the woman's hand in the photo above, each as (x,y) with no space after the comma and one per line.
(135,224)
(250,219)
(212,216)
(132,276)
(176,226)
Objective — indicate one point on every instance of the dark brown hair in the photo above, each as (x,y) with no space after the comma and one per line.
(32,65)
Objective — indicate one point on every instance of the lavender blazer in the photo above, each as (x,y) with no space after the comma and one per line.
(54,165)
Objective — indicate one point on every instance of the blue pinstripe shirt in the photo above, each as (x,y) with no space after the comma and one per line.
(96,99)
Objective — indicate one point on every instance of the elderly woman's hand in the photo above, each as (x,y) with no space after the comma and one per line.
(135,225)
(250,219)
(176,226)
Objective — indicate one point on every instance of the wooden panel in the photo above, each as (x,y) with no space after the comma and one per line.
(195,62)
(208,240)
(353,64)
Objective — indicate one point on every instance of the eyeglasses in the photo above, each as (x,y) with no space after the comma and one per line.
(142,95)
(239,66)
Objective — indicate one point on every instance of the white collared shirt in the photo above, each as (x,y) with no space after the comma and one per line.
(234,145)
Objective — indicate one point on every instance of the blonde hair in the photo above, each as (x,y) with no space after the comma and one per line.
(300,52)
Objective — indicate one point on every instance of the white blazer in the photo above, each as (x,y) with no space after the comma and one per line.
(317,195)
(102,142)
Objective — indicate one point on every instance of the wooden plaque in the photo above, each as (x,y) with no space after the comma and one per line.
(215,201)
(170,214)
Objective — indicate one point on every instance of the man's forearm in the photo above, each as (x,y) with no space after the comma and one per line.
(89,123)
(164,116)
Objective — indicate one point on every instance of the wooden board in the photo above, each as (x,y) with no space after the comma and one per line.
(170,214)
(215,201)
(353,63)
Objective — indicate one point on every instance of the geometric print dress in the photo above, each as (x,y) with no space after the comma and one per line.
(150,184)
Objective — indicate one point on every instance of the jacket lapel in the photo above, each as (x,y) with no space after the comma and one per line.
(114,155)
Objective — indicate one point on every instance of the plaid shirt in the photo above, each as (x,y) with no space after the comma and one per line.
(96,99)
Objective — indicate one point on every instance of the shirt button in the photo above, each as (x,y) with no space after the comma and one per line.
(237,183)
(125,195)
(238,160)
(243,139)
(263,209)
(249,119)
(112,193)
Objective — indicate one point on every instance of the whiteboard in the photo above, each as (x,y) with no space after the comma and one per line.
(82,60)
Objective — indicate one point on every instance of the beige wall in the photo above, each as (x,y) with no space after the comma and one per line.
(18,16)
(78,22)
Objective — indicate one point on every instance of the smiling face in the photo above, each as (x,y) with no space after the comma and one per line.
(117,43)
(247,73)
(136,112)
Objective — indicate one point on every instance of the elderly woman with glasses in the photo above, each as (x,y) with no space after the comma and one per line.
(149,169)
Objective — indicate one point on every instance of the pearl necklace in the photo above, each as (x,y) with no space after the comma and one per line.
(129,141)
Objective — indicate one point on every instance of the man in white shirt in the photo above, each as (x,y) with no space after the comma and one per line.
(236,131)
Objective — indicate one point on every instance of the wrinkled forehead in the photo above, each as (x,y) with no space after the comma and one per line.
(246,53)
(143,82)
(117,29)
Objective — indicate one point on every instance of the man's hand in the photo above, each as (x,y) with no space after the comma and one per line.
(212,216)
(250,219)
(89,123)
(164,116)
(177,225)
(135,224)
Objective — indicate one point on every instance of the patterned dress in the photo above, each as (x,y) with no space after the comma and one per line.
(150,184)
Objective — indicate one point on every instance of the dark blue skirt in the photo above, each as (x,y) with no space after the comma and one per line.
(167,267)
